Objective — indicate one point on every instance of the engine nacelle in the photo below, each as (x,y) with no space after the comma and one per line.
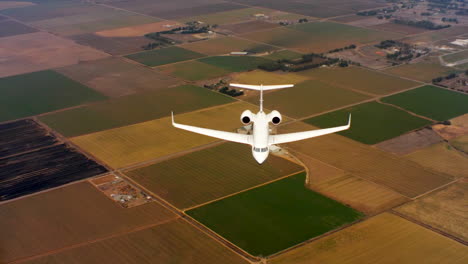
(275,117)
(246,117)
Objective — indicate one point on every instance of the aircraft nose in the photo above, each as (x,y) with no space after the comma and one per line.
(260,157)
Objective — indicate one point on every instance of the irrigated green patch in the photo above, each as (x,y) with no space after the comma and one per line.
(39,92)
(310,97)
(164,56)
(235,63)
(132,109)
(436,103)
(194,70)
(210,174)
(274,217)
(371,122)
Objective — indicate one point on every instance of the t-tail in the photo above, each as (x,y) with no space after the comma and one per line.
(261,88)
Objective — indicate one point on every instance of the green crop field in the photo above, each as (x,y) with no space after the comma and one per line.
(194,70)
(209,174)
(310,97)
(132,109)
(371,122)
(433,102)
(360,79)
(39,92)
(164,56)
(274,217)
(235,63)
(219,46)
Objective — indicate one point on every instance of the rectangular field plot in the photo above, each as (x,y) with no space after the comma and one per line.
(219,46)
(385,238)
(173,242)
(372,122)
(12,28)
(235,63)
(456,57)
(183,11)
(210,174)
(32,160)
(283,55)
(228,17)
(120,147)
(401,175)
(274,217)
(460,143)
(310,97)
(194,70)
(112,45)
(430,101)
(133,109)
(164,56)
(68,216)
(39,92)
(246,27)
(444,209)
(360,79)
(421,71)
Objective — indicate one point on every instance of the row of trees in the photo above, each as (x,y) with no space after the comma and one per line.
(421,24)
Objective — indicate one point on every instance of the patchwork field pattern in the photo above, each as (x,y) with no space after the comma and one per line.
(249,26)
(98,217)
(389,237)
(430,101)
(228,17)
(138,30)
(235,63)
(283,54)
(133,109)
(368,125)
(194,70)
(164,56)
(257,220)
(421,71)
(209,174)
(114,46)
(39,92)
(403,176)
(219,46)
(120,147)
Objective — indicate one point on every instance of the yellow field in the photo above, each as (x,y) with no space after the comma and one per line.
(461,143)
(228,17)
(268,78)
(441,157)
(421,71)
(65,217)
(318,171)
(123,146)
(406,177)
(224,45)
(383,239)
(173,242)
(362,195)
(138,30)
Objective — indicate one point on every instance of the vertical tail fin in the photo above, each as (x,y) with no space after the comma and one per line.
(261,88)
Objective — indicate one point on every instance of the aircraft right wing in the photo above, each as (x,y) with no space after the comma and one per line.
(291,137)
(229,136)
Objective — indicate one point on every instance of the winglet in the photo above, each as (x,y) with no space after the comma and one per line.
(172,115)
(349,120)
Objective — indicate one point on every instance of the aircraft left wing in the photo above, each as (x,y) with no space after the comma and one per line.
(291,137)
(229,136)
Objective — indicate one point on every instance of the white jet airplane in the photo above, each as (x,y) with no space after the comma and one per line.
(260,138)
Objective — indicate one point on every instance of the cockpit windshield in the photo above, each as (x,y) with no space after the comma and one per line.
(260,149)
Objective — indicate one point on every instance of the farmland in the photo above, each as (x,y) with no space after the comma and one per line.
(115,77)
(164,56)
(228,17)
(360,194)
(32,52)
(455,57)
(32,160)
(254,220)
(133,109)
(421,71)
(39,92)
(385,237)
(443,158)
(360,79)
(54,220)
(310,97)
(112,45)
(411,141)
(12,28)
(165,243)
(235,63)
(430,101)
(219,46)
(368,125)
(403,176)
(460,143)
(138,30)
(267,78)
(120,147)
(222,170)
(444,209)
(198,10)
(249,26)
(194,70)
(284,54)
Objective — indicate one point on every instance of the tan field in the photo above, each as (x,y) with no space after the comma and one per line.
(461,143)
(63,217)
(14,4)
(39,51)
(410,142)
(445,209)
(403,176)
(123,146)
(318,171)
(457,128)
(442,158)
(138,30)
(383,239)
(360,194)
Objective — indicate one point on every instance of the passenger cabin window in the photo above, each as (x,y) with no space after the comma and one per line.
(260,149)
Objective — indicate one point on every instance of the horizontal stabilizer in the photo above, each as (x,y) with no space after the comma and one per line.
(261,87)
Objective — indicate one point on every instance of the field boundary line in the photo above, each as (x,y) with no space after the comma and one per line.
(242,191)
(431,228)
(437,189)
(405,110)
(59,250)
